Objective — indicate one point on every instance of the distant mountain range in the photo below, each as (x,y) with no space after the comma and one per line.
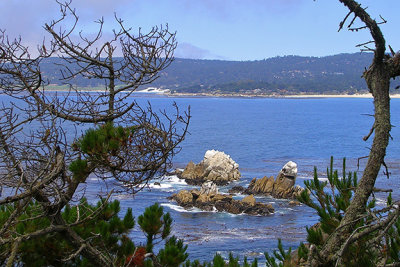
(280,75)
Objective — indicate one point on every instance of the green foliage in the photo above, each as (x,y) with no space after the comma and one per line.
(195,263)
(104,141)
(173,254)
(218,261)
(79,169)
(293,74)
(302,251)
(247,264)
(330,199)
(392,245)
(99,145)
(280,255)
(107,232)
(155,224)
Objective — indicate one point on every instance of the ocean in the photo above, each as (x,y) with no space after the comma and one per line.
(261,135)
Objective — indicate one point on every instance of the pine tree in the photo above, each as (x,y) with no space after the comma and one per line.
(110,231)
(330,199)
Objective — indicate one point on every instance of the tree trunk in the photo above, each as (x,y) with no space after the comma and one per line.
(378,80)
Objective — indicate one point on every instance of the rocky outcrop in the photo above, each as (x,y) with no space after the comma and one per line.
(211,200)
(264,185)
(216,166)
(209,188)
(184,198)
(281,187)
(249,200)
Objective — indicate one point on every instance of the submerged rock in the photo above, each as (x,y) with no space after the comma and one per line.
(216,166)
(209,199)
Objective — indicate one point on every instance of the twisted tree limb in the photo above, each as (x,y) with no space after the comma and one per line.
(377,76)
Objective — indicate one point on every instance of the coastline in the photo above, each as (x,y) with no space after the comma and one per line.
(167,93)
(298,96)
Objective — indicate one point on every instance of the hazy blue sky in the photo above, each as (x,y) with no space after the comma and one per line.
(219,29)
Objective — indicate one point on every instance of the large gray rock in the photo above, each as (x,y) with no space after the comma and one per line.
(216,166)
(289,170)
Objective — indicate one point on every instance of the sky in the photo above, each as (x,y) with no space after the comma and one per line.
(217,29)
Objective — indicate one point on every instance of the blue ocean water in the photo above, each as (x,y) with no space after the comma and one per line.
(261,135)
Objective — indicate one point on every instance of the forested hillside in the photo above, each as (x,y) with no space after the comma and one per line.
(282,75)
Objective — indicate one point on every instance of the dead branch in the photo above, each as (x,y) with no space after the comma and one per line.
(365,138)
(378,77)
(35,160)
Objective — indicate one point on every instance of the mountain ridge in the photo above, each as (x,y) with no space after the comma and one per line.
(335,74)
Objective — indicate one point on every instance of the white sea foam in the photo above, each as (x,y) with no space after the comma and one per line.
(181,209)
(174,180)
(303,177)
(282,210)
(123,196)
(381,201)
(310,178)
(159,185)
(227,234)
(174,207)
(167,182)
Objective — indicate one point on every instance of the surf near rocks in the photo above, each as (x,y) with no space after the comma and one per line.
(208,199)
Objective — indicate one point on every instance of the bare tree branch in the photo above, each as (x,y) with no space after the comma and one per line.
(35,161)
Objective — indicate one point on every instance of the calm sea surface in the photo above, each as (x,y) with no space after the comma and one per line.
(261,135)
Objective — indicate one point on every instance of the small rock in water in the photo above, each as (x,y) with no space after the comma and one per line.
(294,203)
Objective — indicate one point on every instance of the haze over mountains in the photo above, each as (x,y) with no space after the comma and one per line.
(336,74)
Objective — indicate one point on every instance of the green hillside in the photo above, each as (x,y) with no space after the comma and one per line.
(283,75)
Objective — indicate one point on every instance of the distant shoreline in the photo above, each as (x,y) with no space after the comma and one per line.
(166,93)
(299,96)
